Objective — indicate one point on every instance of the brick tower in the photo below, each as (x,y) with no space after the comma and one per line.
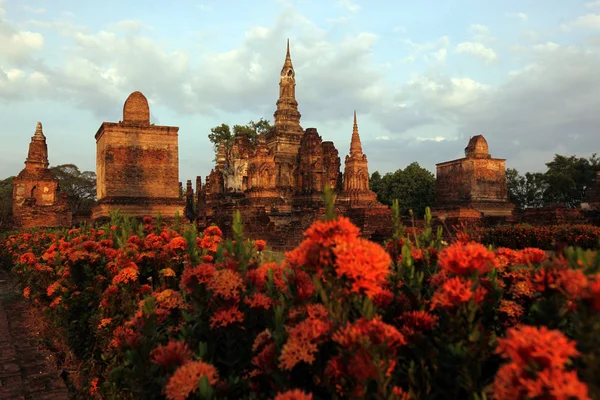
(137,165)
(356,191)
(284,141)
(36,199)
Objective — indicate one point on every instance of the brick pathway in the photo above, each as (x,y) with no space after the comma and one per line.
(26,370)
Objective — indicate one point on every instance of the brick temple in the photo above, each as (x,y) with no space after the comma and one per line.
(277,182)
(473,186)
(278,185)
(37,201)
(137,165)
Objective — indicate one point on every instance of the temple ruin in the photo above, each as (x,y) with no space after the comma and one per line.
(137,165)
(473,186)
(279,184)
(37,201)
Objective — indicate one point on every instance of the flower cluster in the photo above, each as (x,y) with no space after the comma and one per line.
(158,309)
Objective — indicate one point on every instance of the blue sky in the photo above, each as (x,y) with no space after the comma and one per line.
(423,76)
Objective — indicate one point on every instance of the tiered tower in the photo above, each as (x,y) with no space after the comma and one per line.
(356,192)
(36,200)
(284,141)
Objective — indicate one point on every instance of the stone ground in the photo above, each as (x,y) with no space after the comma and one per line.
(27,370)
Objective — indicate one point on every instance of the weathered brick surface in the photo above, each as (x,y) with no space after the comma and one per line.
(282,192)
(476,183)
(36,199)
(27,370)
(137,160)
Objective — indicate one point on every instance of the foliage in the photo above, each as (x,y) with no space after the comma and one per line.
(526,191)
(543,237)
(565,181)
(6,193)
(163,313)
(567,178)
(79,185)
(413,186)
(224,135)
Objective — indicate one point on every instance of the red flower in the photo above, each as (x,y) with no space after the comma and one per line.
(174,353)
(465,258)
(186,378)
(260,245)
(295,394)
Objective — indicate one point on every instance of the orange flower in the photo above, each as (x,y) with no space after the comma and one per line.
(201,274)
(174,353)
(540,347)
(226,316)
(128,274)
(27,292)
(400,394)
(416,323)
(167,272)
(295,394)
(213,231)
(177,243)
(259,276)
(366,264)
(94,386)
(466,258)
(453,292)
(186,378)
(226,283)
(259,300)
(260,245)
(302,342)
(506,257)
(104,322)
(53,288)
(531,255)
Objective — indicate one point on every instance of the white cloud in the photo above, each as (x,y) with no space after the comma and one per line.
(34,10)
(477,49)
(478,29)
(588,21)
(519,15)
(382,138)
(593,4)
(348,5)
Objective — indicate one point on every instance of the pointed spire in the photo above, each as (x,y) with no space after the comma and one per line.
(355,145)
(288,59)
(39,134)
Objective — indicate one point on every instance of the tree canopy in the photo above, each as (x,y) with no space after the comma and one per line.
(224,135)
(80,186)
(413,186)
(565,181)
(6,192)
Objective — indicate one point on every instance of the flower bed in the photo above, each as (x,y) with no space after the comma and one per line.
(157,312)
(543,237)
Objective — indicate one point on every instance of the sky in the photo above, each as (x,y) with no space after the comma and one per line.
(423,76)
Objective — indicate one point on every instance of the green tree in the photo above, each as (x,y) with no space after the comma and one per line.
(80,186)
(568,178)
(526,191)
(6,192)
(224,135)
(413,186)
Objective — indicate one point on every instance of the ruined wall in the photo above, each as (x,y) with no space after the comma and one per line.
(137,163)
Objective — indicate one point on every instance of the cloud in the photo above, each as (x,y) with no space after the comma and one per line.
(526,119)
(478,29)
(477,49)
(593,4)
(519,15)
(588,21)
(348,5)
(34,10)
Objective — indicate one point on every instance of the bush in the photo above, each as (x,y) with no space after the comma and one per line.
(543,237)
(161,313)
